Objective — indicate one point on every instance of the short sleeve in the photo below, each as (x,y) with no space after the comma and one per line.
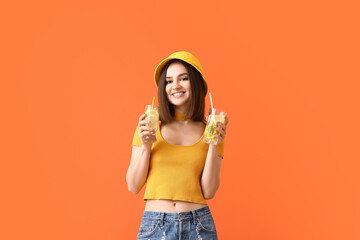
(221,149)
(136,139)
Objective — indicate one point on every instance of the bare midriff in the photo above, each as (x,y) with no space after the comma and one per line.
(171,206)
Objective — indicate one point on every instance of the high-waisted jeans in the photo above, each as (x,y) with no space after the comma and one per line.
(196,224)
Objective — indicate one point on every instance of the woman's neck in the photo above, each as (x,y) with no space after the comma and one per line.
(180,116)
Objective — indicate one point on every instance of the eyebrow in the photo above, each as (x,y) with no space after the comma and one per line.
(179,75)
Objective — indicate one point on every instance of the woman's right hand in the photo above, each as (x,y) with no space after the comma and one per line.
(146,134)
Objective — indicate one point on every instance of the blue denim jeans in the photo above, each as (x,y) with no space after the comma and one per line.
(196,224)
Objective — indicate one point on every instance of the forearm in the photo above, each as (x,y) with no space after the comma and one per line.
(138,171)
(210,179)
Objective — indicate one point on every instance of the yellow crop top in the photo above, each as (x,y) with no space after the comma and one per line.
(175,170)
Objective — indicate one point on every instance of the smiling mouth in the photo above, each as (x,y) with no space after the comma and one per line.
(178,94)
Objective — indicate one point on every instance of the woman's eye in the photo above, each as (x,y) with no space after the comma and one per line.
(167,82)
(185,78)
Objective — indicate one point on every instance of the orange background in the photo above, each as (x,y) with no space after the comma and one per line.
(75,77)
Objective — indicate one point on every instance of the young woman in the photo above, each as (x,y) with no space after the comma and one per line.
(181,171)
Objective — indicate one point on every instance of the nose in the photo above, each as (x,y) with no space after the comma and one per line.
(176,85)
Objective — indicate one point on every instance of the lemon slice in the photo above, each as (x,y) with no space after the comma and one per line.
(219,118)
(153,116)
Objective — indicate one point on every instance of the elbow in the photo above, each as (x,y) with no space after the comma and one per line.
(133,189)
(209,196)
(210,192)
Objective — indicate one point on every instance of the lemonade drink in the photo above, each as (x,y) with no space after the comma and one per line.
(214,116)
(152,114)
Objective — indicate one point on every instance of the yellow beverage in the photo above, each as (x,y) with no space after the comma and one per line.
(153,116)
(211,123)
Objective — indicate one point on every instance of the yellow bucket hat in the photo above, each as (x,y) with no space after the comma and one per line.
(182,55)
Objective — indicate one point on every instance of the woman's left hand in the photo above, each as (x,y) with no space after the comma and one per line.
(221,130)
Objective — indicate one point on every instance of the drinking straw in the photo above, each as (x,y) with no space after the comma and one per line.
(152,105)
(211,100)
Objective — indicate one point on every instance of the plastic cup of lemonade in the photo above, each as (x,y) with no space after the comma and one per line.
(215,115)
(152,114)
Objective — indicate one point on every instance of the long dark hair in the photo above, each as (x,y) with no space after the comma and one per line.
(196,104)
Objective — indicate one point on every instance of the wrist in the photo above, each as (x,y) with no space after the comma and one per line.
(146,147)
(213,148)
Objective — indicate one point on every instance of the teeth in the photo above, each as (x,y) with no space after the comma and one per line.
(177,94)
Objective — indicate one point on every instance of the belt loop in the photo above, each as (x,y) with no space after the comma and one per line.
(194,217)
(161,218)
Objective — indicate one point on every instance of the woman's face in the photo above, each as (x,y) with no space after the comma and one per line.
(177,88)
